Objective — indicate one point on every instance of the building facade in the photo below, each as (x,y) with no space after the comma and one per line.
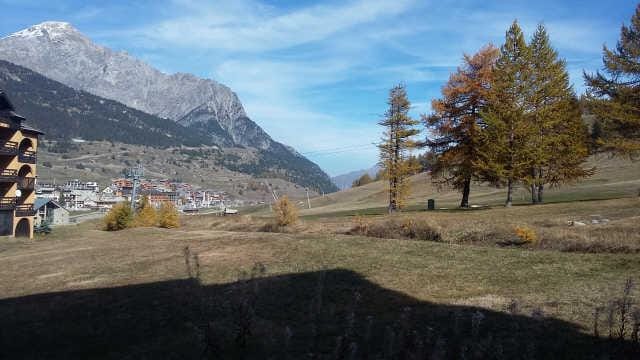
(51,212)
(18,149)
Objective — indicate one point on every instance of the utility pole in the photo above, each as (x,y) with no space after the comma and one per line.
(135,174)
(308,201)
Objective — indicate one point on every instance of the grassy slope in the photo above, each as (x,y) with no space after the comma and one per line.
(133,282)
(78,257)
(614,178)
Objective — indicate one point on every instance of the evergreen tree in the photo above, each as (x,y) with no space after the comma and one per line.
(397,141)
(614,96)
(456,123)
(558,142)
(503,156)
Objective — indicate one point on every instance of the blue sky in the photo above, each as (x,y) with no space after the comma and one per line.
(315,75)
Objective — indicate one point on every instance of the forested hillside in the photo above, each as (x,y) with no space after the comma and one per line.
(64,113)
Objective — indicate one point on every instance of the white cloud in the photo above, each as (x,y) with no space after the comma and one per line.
(250,26)
(291,66)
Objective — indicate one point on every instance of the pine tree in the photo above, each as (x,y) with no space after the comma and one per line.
(558,143)
(456,123)
(397,141)
(614,97)
(503,156)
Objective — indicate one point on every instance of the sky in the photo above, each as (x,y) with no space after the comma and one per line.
(316,75)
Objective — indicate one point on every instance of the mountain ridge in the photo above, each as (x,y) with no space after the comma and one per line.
(61,53)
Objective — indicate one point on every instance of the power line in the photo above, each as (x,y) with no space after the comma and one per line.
(335,149)
(340,150)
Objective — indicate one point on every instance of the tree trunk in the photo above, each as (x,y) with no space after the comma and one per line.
(534,187)
(465,193)
(391,195)
(540,191)
(540,187)
(509,193)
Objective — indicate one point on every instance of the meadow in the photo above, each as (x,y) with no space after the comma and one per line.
(222,287)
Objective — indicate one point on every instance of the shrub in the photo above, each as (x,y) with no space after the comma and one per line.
(396,228)
(146,215)
(119,217)
(362,180)
(168,217)
(43,228)
(286,212)
(526,234)
(360,225)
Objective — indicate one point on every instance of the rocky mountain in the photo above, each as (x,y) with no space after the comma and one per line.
(64,113)
(60,52)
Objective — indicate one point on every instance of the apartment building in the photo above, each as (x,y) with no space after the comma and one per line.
(18,148)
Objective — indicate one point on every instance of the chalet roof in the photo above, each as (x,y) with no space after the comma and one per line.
(7,111)
(40,202)
(5,104)
(27,128)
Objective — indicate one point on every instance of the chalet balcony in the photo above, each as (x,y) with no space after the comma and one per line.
(8,147)
(25,210)
(8,203)
(8,176)
(27,183)
(27,157)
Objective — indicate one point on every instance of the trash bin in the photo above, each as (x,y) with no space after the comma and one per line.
(431,204)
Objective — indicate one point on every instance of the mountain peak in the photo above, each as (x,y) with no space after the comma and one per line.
(51,29)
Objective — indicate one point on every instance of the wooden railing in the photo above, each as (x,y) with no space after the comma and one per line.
(8,175)
(25,210)
(8,202)
(8,147)
(27,156)
(27,183)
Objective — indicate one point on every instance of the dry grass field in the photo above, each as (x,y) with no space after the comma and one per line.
(614,178)
(219,287)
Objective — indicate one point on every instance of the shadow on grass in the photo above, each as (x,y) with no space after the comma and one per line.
(332,314)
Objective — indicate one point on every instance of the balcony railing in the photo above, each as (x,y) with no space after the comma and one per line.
(25,210)
(7,203)
(8,175)
(27,156)
(8,147)
(26,183)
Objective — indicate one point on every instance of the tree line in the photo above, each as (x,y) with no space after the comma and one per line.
(510,116)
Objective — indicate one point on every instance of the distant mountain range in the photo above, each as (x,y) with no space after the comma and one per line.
(345,181)
(148,107)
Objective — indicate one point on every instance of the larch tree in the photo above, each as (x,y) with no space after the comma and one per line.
(614,96)
(504,154)
(146,215)
(397,140)
(455,123)
(558,145)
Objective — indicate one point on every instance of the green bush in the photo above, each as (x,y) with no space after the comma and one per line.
(42,228)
